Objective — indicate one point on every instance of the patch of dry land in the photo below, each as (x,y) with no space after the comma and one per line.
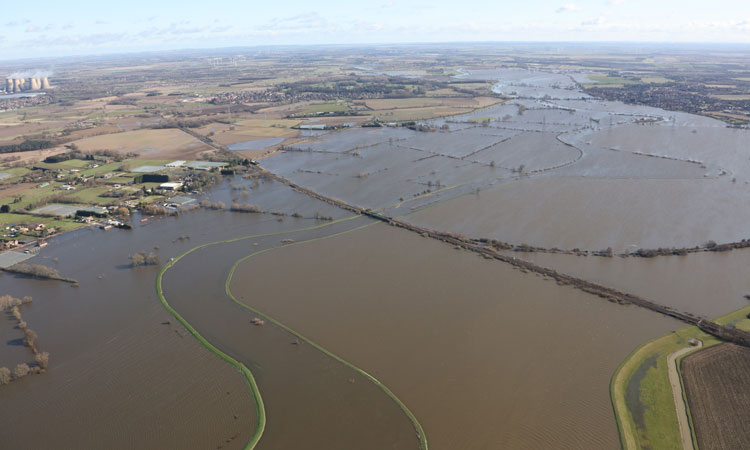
(717,382)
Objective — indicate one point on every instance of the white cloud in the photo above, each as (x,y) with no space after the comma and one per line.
(568,8)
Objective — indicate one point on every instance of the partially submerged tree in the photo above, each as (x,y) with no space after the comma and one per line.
(21,370)
(42,359)
(145,259)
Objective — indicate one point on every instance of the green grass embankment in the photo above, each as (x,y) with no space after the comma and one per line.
(260,408)
(659,429)
(417,426)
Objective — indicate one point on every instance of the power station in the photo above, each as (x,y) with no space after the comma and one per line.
(17,85)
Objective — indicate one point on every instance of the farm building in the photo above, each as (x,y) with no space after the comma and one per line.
(170,186)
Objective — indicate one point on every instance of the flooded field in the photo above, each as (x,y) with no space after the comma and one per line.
(469,345)
(578,212)
(310,398)
(706,284)
(118,361)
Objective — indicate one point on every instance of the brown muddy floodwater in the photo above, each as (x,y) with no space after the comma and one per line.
(312,401)
(123,373)
(596,213)
(484,355)
(707,284)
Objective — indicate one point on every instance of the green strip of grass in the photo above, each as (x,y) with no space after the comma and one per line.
(259,406)
(417,426)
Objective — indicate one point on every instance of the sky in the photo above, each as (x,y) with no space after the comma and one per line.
(45,28)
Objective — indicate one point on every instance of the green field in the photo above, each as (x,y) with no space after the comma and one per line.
(327,107)
(26,219)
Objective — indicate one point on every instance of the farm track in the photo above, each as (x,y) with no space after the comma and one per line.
(679,401)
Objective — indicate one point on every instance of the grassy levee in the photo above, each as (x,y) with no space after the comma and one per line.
(417,426)
(255,391)
(660,428)
(260,409)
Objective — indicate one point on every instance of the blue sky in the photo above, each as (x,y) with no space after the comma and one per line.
(78,27)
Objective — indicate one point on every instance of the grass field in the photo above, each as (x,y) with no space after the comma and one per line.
(648,419)
(327,107)
(26,219)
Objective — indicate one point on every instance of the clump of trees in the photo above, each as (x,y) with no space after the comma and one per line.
(26,146)
(38,271)
(319,216)
(154,210)
(7,302)
(207,204)
(246,208)
(144,259)
(12,304)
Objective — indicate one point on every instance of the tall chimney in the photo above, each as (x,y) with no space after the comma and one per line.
(45,83)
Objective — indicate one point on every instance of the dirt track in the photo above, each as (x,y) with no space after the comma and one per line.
(679,402)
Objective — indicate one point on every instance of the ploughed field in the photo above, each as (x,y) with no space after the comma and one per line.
(717,382)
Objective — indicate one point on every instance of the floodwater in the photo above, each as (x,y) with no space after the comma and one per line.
(123,373)
(706,284)
(257,144)
(312,400)
(586,213)
(120,376)
(484,355)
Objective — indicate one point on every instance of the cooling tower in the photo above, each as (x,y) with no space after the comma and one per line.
(17,85)
(45,83)
(9,85)
(22,84)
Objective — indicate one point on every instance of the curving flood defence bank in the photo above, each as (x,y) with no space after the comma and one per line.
(260,410)
(302,378)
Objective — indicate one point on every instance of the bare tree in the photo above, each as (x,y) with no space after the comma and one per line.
(29,337)
(43,359)
(4,375)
